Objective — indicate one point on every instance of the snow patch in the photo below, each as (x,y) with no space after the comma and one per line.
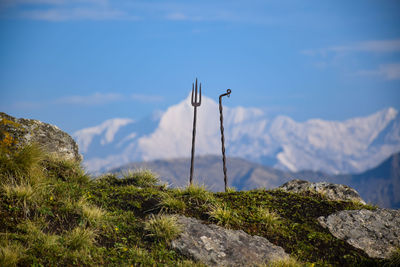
(110,127)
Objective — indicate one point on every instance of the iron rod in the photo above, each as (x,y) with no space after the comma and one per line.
(221,118)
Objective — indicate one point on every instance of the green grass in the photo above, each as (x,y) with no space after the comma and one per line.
(52,213)
(172,204)
(394,258)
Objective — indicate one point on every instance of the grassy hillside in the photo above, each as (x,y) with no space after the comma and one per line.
(378,185)
(52,213)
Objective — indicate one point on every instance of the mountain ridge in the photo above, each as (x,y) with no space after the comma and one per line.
(334,147)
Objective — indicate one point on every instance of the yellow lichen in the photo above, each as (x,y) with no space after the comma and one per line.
(7,140)
(4,121)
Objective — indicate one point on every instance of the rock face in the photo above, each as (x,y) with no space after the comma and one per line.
(217,246)
(20,132)
(330,191)
(376,232)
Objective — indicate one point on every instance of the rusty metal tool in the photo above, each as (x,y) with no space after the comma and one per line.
(221,118)
(196,102)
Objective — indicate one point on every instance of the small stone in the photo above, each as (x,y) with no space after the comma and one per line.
(216,246)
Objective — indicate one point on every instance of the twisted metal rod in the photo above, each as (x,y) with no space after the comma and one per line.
(221,118)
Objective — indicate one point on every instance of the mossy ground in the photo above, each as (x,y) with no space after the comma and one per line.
(52,214)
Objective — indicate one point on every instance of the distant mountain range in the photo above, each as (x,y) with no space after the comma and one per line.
(380,185)
(334,147)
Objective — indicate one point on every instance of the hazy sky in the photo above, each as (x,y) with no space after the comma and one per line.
(76,63)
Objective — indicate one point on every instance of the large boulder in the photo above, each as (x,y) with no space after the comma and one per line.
(377,232)
(217,246)
(20,132)
(328,190)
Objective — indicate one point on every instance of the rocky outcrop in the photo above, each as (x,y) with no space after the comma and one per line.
(20,132)
(217,246)
(377,232)
(330,191)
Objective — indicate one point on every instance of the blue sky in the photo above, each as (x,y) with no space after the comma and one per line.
(77,63)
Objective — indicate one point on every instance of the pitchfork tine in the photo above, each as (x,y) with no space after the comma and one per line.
(200,96)
(192,93)
(196,96)
(195,99)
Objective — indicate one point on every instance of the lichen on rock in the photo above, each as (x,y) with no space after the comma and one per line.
(377,232)
(16,133)
(330,191)
(216,246)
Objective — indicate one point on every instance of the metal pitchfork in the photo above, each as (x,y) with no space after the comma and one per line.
(221,117)
(195,103)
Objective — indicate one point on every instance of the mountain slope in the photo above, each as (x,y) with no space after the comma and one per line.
(380,184)
(351,146)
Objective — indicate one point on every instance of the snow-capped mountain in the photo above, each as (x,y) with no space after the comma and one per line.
(351,146)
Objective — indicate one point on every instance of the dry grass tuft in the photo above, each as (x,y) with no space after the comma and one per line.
(270,219)
(198,193)
(93,214)
(11,253)
(163,227)
(285,262)
(79,238)
(140,178)
(223,215)
(23,165)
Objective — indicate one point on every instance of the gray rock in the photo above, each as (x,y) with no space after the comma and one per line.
(49,137)
(328,190)
(217,246)
(376,232)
